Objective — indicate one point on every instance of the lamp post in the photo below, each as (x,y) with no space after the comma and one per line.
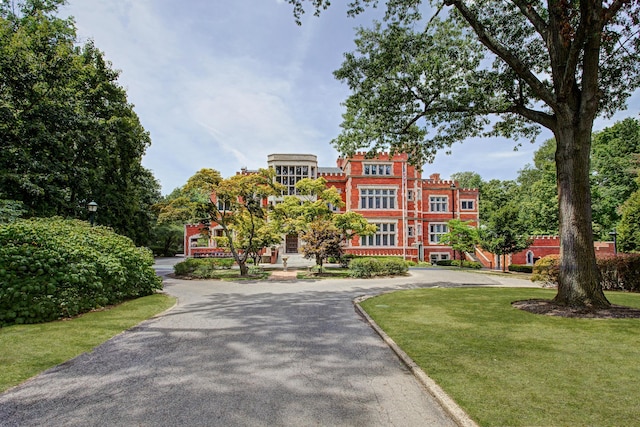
(614,233)
(453,200)
(92,207)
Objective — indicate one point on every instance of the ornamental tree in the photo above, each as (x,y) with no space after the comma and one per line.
(420,85)
(462,237)
(504,233)
(235,204)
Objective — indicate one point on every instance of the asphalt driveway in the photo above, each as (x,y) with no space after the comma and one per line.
(242,354)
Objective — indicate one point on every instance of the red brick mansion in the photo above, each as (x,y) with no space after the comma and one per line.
(411,212)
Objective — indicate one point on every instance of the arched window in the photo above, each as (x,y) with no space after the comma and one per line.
(529,258)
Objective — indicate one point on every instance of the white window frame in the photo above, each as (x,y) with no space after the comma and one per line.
(377,169)
(378,198)
(419,229)
(410,195)
(410,231)
(386,236)
(467,201)
(441,203)
(530,257)
(436,231)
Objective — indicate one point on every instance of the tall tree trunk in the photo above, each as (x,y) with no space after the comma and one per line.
(579,280)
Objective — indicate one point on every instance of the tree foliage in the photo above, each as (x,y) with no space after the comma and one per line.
(629,226)
(462,237)
(613,172)
(505,233)
(68,133)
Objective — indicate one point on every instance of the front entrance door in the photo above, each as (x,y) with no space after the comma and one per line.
(291,245)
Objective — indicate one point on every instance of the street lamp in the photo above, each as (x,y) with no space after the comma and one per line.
(92,207)
(453,200)
(614,233)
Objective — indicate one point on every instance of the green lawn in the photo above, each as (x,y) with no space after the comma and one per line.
(26,350)
(507,367)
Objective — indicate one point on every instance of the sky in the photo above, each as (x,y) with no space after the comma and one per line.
(223,83)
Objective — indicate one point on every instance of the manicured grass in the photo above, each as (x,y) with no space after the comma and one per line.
(27,350)
(507,367)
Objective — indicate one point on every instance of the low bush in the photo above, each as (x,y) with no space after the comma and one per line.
(202,268)
(52,268)
(371,267)
(620,273)
(345,260)
(456,263)
(519,268)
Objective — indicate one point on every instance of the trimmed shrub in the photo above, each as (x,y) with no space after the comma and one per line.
(456,263)
(546,270)
(202,268)
(393,267)
(345,260)
(371,267)
(52,268)
(519,268)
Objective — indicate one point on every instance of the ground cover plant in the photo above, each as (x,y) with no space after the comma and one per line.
(52,268)
(506,366)
(30,349)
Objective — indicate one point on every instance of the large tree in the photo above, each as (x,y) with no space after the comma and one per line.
(556,64)
(68,133)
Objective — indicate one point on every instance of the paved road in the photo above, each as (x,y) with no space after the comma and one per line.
(241,354)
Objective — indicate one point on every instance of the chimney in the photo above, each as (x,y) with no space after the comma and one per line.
(435,176)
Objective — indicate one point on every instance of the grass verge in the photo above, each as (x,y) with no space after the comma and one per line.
(507,367)
(30,349)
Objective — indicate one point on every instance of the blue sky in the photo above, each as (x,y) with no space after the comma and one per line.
(221,84)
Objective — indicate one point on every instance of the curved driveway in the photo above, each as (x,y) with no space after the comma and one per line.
(242,354)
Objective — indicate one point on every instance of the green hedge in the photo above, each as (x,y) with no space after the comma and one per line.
(519,268)
(371,267)
(620,272)
(202,268)
(52,268)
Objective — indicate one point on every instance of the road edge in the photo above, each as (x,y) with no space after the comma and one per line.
(458,415)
